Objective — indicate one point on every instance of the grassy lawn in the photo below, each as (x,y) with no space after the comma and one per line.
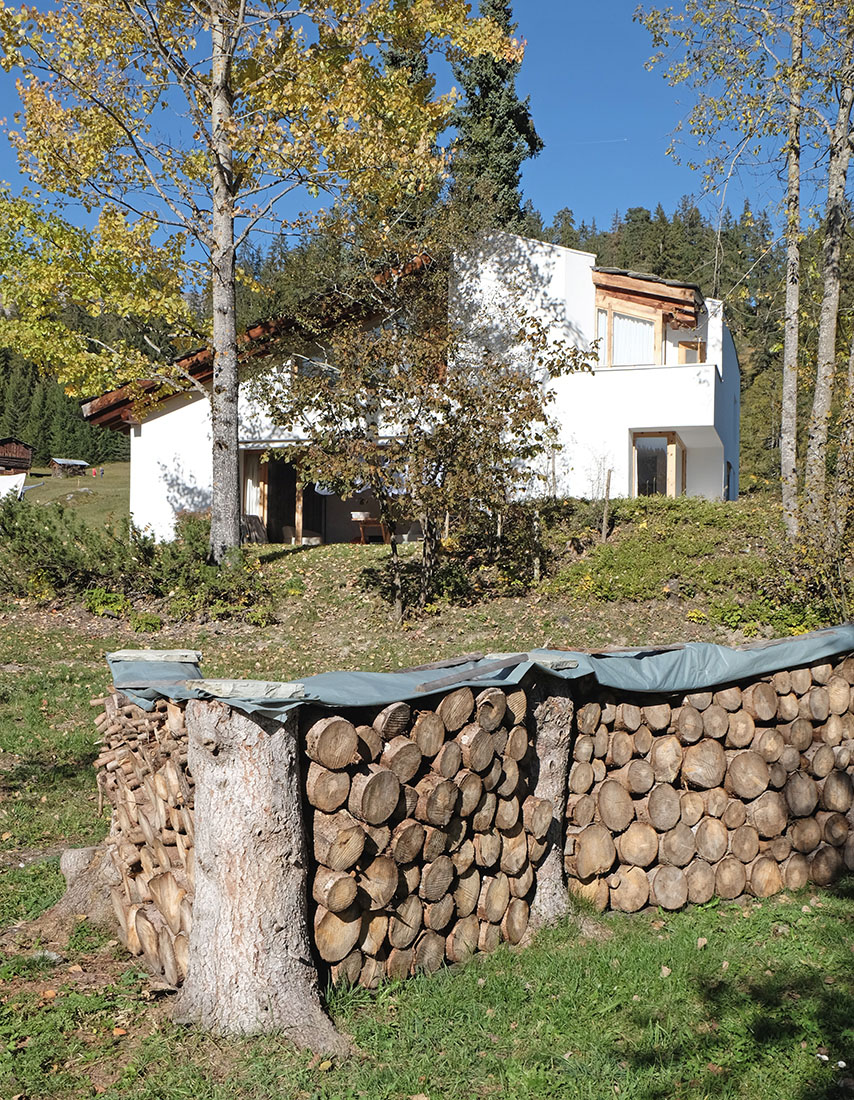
(719,1001)
(98,500)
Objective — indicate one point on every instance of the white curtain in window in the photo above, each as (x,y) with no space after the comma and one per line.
(634,341)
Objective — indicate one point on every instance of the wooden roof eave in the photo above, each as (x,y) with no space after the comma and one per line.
(682,305)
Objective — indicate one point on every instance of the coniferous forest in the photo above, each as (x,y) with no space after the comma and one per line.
(35,409)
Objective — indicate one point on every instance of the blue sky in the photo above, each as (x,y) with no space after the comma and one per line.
(605,120)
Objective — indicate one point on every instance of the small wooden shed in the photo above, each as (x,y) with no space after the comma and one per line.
(15,455)
(67,467)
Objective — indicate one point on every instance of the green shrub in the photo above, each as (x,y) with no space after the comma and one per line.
(99,601)
(48,551)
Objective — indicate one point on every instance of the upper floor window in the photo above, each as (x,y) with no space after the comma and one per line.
(637,316)
(626,339)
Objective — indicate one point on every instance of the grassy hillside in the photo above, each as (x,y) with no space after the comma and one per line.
(97,500)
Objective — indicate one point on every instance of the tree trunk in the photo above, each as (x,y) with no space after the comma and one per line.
(789,410)
(250,961)
(225,485)
(845,461)
(552,709)
(834,231)
(430,540)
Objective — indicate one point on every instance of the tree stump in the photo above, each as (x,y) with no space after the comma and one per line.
(250,963)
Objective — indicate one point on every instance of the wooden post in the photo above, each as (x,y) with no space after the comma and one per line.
(552,708)
(605,506)
(250,965)
(298,513)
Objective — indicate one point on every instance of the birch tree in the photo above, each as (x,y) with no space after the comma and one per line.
(194,123)
(745,64)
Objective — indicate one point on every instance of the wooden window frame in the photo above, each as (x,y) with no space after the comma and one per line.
(674,446)
(684,346)
(612,305)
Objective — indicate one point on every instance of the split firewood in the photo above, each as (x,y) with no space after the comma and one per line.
(401,756)
(428,733)
(456,708)
(326,790)
(392,721)
(332,742)
(470,787)
(490,707)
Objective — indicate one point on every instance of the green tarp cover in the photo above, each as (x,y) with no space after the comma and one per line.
(146,675)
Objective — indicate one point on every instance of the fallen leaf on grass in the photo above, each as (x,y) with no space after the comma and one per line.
(48,994)
(75,969)
(701,943)
(117,1031)
(666,971)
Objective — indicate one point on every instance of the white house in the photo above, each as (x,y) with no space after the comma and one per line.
(660,411)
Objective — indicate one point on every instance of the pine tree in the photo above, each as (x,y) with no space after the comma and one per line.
(16,401)
(496,131)
(34,431)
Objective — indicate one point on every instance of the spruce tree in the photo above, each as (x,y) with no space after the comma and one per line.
(35,430)
(496,131)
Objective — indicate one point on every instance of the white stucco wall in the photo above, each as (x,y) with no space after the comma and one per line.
(170,464)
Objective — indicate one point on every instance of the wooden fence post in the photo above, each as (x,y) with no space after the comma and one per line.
(552,707)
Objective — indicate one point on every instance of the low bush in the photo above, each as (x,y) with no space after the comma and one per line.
(47,552)
(731,558)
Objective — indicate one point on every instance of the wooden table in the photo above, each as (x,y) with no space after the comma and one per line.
(372,526)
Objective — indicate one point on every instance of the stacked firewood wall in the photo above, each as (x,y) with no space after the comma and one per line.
(425,833)
(143,775)
(746,789)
